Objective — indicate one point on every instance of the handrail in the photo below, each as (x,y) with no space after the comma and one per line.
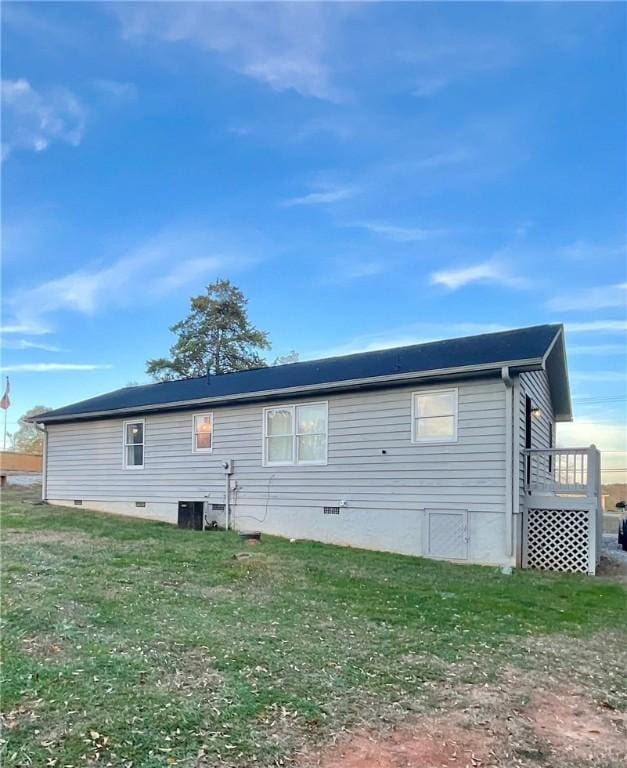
(563,470)
(556,450)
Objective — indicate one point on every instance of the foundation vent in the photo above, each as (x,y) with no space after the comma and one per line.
(140,503)
(218,507)
(78,502)
(331,510)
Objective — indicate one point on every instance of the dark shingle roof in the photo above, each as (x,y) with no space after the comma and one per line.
(521,346)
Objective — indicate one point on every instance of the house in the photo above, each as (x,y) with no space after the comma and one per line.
(442,449)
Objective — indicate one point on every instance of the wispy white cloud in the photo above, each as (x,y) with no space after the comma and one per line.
(186,272)
(444,58)
(27,21)
(397,233)
(53,367)
(600,297)
(283,45)
(346,268)
(116,89)
(598,326)
(28,328)
(33,120)
(142,275)
(325,196)
(26,344)
(492,271)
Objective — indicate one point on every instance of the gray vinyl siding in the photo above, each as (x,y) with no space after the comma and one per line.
(85,461)
(535,384)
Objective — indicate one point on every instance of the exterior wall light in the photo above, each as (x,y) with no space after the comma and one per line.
(536,412)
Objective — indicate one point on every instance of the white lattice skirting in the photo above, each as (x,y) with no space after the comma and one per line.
(558,540)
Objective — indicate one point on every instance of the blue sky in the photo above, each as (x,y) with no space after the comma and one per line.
(368,174)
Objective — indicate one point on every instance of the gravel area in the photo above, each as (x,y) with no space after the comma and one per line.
(611,548)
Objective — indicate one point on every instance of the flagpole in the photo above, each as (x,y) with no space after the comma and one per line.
(4,404)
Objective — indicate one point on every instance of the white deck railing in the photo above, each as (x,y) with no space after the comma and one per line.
(563,471)
(562,509)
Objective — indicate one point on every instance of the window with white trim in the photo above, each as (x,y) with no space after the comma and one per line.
(434,416)
(295,434)
(203,433)
(134,444)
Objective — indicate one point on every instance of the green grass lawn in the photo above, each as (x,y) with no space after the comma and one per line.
(142,644)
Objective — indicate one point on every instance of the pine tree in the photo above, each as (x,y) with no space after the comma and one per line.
(216,336)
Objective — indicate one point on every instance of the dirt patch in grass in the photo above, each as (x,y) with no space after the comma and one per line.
(257,562)
(259,572)
(192,671)
(47,647)
(17,717)
(514,721)
(576,727)
(428,743)
(218,592)
(210,593)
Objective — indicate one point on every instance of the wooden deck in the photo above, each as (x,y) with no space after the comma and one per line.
(563,517)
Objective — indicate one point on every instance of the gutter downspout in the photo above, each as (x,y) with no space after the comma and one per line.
(228,471)
(509,451)
(227,501)
(44,462)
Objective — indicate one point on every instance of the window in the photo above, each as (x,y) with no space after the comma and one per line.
(203,433)
(434,416)
(280,435)
(311,433)
(296,434)
(134,444)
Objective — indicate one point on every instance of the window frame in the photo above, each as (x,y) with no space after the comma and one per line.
(266,436)
(295,462)
(195,449)
(430,440)
(126,445)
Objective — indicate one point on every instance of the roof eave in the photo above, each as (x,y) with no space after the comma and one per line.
(555,364)
(346,385)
